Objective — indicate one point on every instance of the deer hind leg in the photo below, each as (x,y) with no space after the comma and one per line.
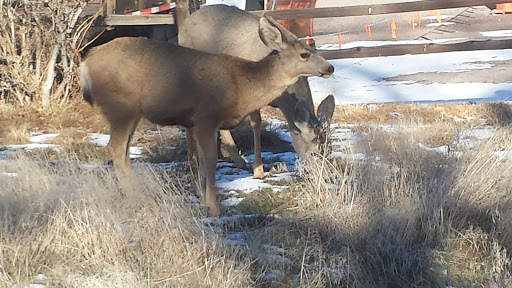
(256,128)
(192,158)
(229,144)
(120,135)
(121,131)
(206,140)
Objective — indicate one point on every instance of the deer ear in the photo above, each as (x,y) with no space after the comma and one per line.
(301,114)
(273,34)
(326,109)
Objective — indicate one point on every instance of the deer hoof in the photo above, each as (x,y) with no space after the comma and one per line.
(258,172)
(214,209)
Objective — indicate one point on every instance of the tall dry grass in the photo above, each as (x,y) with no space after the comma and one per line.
(401,217)
(70,223)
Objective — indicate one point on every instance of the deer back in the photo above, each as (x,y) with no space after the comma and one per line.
(225,29)
(170,84)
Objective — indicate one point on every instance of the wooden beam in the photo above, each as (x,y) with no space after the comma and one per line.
(109,7)
(413,49)
(182,11)
(375,9)
(154,19)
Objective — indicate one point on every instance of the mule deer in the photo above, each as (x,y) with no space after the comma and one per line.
(131,78)
(228,30)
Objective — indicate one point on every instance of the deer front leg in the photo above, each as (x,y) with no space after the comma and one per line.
(256,129)
(229,144)
(206,140)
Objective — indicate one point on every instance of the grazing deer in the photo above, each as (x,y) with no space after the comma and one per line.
(131,78)
(228,30)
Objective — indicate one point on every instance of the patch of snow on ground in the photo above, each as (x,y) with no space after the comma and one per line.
(441,149)
(440,24)
(277,125)
(41,138)
(232,201)
(32,146)
(286,177)
(99,139)
(363,80)
(236,238)
(102,141)
(498,33)
(245,184)
(10,174)
(382,43)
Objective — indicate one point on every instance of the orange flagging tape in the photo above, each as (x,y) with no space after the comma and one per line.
(409,18)
(419,18)
(368,29)
(393,28)
(308,40)
(438,14)
(339,39)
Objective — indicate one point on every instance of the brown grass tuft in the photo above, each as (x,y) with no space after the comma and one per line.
(70,223)
(401,217)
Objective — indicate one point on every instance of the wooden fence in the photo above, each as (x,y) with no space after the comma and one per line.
(389,8)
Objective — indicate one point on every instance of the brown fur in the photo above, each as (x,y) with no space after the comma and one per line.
(131,78)
(228,30)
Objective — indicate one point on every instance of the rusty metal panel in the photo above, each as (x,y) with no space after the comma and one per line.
(300,27)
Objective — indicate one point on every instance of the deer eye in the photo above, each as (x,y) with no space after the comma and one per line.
(305,55)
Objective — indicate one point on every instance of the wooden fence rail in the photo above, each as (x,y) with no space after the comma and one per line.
(413,49)
(374,9)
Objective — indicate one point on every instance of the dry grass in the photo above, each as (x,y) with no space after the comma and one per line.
(397,113)
(407,218)
(70,224)
(403,216)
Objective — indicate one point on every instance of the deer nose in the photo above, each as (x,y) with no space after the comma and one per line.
(330,69)
(329,72)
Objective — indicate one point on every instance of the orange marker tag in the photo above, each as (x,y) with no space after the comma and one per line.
(409,18)
(368,29)
(393,28)
(419,18)
(339,39)
(308,40)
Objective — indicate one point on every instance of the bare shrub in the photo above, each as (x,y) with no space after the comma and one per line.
(37,55)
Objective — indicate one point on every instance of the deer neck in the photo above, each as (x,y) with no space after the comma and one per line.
(262,82)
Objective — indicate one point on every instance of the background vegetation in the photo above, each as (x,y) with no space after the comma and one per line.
(38,55)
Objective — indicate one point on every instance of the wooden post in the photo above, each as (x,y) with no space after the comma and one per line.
(267,5)
(109,7)
(182,10)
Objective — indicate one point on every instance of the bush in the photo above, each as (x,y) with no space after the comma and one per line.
(37,56)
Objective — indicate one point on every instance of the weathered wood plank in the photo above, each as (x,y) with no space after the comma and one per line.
(413,49)
(154,19)
(374,9)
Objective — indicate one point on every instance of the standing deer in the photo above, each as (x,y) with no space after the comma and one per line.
(131,78)
(228,30)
